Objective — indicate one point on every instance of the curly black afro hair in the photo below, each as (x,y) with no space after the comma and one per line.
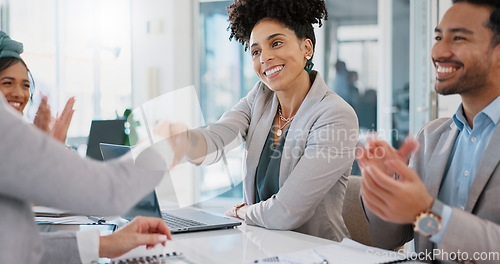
(297,15)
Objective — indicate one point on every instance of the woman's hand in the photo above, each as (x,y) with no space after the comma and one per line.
(148,231)
(61,124)
(55,127)
(238,211)
(43,117)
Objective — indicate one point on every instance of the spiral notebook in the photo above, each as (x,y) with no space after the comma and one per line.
(157,255)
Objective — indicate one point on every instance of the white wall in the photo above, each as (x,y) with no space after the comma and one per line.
(319,53)
(162,58)
(385,67)
(423,20)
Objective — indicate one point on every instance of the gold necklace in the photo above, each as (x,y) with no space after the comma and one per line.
(286,120)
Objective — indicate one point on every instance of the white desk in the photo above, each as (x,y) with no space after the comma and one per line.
(242,244)
(246,243)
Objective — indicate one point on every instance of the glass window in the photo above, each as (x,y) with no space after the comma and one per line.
(77,48)
(357,29)
(226,75)
(358,48)
(354,33)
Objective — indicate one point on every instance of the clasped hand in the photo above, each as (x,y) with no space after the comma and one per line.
(177,135)
(389,188)
(183,141)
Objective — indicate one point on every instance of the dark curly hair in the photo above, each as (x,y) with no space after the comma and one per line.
(494,22)
(297,15)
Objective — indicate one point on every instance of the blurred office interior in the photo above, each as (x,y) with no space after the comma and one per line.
(115,55)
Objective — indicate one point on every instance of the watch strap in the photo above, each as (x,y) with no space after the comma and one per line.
(437,208)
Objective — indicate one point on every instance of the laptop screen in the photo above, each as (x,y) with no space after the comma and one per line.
(147,206)
(104,131)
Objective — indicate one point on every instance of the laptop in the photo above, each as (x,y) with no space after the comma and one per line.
(178,220)
(104,131)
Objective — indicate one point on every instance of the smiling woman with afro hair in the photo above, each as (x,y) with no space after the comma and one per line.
(300,136)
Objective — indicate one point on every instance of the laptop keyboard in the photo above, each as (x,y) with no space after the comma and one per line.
(174,221)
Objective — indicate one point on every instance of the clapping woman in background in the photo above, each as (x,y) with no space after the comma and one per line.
(16,87)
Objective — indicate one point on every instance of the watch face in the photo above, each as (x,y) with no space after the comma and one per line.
(428,225)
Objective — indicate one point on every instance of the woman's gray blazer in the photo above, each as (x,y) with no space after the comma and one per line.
(315,163)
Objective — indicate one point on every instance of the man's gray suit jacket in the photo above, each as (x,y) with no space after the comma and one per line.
(35,168)
(474,229)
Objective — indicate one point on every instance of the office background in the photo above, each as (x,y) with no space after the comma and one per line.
(117,54)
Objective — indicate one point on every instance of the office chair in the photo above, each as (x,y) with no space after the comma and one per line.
(353,214)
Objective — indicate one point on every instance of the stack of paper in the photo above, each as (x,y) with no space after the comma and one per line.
(347,252)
